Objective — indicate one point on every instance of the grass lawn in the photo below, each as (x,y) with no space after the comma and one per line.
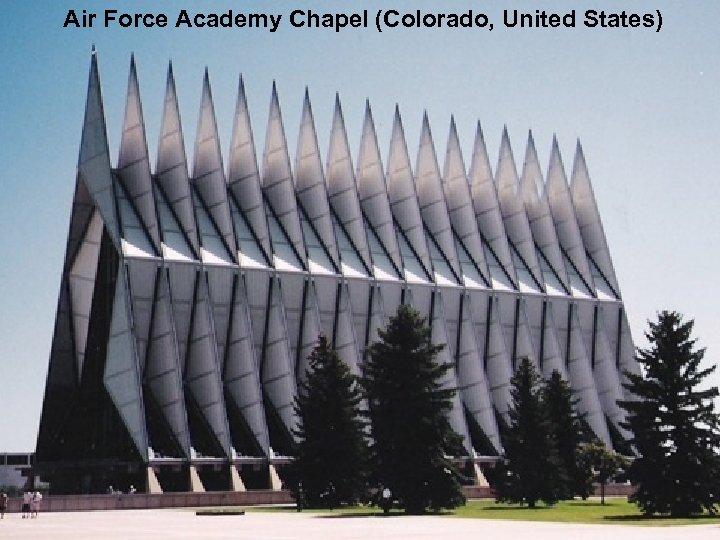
(615,511)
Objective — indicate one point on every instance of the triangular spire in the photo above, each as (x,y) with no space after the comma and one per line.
(310,182)
(171,168)
(208,173)
(202,372)
(459,202)
(513,209)
(581,380)
(134,163)
(121,376)
(439,336)
(162,374)
(244,175)
(497,362)
(588,217)
(433,207)
(472,381)
(552,358)
(94,159)
(341,186)
(402,196)
(277,178)
(277,374)
(563,214)
(241,374)
(373,190)
(538,212)
(487,207)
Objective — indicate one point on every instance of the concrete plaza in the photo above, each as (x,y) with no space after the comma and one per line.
(183,523)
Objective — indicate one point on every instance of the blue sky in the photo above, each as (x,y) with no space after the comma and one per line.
(644,104)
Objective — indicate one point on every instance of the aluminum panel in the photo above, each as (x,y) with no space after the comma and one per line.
(588,217)
(213,250)
(377,319)
(359,300)
(134,162)
(277,369)
(94,159)
(581,380)
(277,178)
(439,336)
(459,202)
(174,244)
(244,176)
(373,191)
(472,383)
(293,292)
(121,377)
(208,173)
(626,360)
(525,347)
(553,358)
(535,198)
(250,252)
(171,168)
(607,380)
(221,285)
(563,213)
(512,208)
(342,189)
(311,328)
(257,287)
(403,197)
(162,374)
(433,207)
(182,279)
(486,205)
(345,339)
(241,373)
(81,280)
(497,360)
(310,183)
(135,241)
(202,369)
(141,278)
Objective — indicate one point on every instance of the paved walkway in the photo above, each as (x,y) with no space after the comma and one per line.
(181,524)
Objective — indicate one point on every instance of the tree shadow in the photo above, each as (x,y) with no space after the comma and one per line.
(659,519)
(381,514)
(364,515)
(515,508)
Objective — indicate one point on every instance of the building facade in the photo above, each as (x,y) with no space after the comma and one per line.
(190,299)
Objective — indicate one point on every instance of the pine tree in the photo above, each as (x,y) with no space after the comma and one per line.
(331,459)
(675,429)
(569,433)
(532,471)
(408,409)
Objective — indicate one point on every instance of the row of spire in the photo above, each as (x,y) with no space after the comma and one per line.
(555,215)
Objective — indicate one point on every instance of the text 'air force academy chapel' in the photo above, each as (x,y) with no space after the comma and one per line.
(191,299)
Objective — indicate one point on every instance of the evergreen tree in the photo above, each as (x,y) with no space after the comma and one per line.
(532,471)
(675,429)
(569,433)
(331,459)
(408,409)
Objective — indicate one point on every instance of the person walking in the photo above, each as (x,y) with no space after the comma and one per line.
(27,499)
(35,504)
(3,504)
(386,501)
